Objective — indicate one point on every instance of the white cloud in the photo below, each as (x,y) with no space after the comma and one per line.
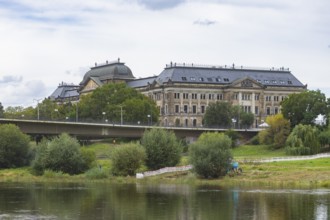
(49,41)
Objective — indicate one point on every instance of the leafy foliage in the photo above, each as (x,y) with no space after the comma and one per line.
(277,132)
(62,154)
(210,155)
(324,138)
(234,136)
(162,148)
(14,147)
(116,100)
(303,108)
(127,159)
(1,110)
(303,140)
(221,114)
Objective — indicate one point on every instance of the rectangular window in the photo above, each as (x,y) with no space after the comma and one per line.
(177,109)
(194,96)
(256,97)
(185,95)
(185,108)
(192,78)
(268,111)
(165,109)
(194,109)
(202,109)
(202,96)
(276,110)
(177,95)
(219,96)
(268,98)
(256,110)
(184,78)
(276,98)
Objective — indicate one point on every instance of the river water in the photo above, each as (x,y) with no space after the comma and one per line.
(162,201)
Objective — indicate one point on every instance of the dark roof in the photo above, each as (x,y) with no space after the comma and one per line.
(141,82)
(64,91)
(108,70)
(224,75)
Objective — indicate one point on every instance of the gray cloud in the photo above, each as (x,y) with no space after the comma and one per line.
(204,22)
(160,4)
(11,79)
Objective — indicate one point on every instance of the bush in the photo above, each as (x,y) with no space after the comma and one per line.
(14,147)
(97,173)
(303,140)
(62,154)
(127,159)
(162,148)
(234,136)
(210,155)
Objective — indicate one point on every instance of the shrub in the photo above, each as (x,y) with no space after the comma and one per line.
(127,159)
(62,154)
(210,155)
(97,173)
(162,148)
(303,140)
(234,136)
(14,147)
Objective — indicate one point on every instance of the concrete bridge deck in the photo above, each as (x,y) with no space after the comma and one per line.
(106,130)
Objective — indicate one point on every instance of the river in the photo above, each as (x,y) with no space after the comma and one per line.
(162,201)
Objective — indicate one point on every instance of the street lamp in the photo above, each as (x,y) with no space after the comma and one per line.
(37,100)
(149,116)
(103,113)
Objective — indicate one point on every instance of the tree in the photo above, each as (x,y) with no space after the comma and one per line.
(218,114)
(14,147)
(210,155)
(127,159)
(162,148)
(277,132)
(246,119)
(303,108)
(61,154)
(1,110)
(303,140)
(116,101)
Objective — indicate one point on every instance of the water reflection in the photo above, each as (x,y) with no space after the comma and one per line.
(162,201)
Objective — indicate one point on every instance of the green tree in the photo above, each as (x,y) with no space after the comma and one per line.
(218,114)
(14,147)
(303,108)
(1,110)
(115,101)
(246,119)
(162,147)
(127,159)
(277,132)
(210,155)
(303,140)
(61,154)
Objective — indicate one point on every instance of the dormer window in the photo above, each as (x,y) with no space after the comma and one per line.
(184,78)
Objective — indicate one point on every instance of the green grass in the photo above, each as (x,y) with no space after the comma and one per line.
(257,152)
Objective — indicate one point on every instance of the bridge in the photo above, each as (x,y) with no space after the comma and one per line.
(84,130)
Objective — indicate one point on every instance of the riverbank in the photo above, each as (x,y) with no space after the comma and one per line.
(289,174)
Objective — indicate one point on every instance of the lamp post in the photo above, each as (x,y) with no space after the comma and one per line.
(37,100)
(103,113)
(149,119)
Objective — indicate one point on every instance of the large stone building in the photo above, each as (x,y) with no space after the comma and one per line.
(183,91)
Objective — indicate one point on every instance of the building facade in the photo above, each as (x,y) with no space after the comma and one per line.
(183,91)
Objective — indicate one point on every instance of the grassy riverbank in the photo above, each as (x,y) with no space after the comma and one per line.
(290,174)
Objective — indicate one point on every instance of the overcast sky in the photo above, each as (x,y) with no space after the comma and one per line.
(45,42)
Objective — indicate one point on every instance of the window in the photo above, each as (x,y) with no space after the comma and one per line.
(290,82)
(166,109)
(185,95)
(226,79)
(246,96)
(194,109)
(256,110)
(184,78)
(235,97)
(276,110)
(258,80)
(283,97)
(268,111)
(211,96)
(219,96)
(177,109)
(201,79)
(276,98)
(185,108)
(246,108)
(217,79)
(194,122)
(203,109)
(186,122)
(266,81)
(202,96)
(282,82)
(274,81)
(268,98)
(176,95)
(192,78)
(256,97)
(194,96)
(209,79)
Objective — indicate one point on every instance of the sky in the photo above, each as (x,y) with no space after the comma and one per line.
(46,42)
